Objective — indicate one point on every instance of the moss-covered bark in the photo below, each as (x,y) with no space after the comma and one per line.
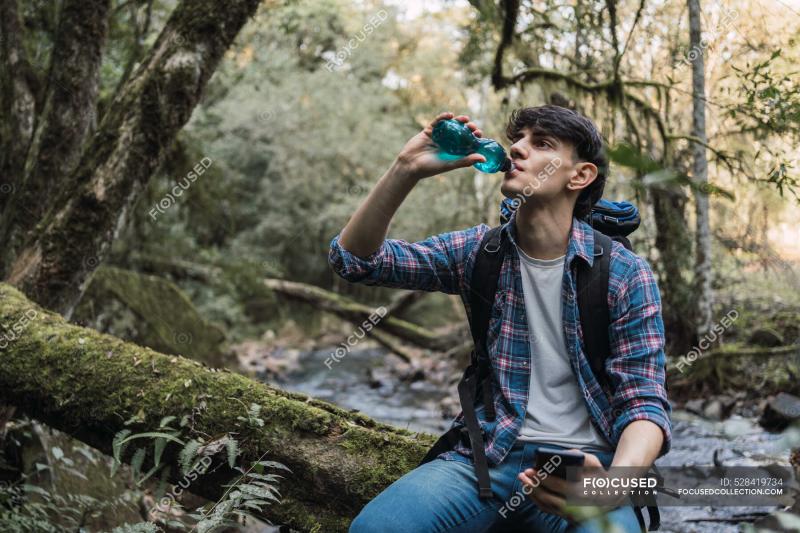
(88,384)
(164,317)
(673,240)
(17,100)
(65,120)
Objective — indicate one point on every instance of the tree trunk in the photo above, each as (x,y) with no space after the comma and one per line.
(54,266)
(673,242)
(88,384)
(703,293)
(17,100)
(64,122)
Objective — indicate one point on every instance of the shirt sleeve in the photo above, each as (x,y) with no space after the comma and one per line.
(434,264)
(636,365)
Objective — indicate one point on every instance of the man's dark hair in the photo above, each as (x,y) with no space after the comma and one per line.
(568,126)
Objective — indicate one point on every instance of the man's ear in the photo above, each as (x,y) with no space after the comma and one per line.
(585,174)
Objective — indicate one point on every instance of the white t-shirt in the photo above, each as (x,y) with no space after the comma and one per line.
(557,412)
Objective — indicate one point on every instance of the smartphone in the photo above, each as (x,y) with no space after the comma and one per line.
(554,461)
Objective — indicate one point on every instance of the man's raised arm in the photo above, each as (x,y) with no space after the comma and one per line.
(360,252)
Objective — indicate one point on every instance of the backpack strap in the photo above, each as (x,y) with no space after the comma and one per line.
(485,275)
(592,286)
(466,396)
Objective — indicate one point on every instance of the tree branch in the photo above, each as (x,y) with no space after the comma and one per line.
(510,11)
(359,313)
(136,132)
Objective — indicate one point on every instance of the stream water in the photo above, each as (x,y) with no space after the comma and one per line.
(360,381)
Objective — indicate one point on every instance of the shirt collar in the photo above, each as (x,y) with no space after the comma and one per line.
(581,239)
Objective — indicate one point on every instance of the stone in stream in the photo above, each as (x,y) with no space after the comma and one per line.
(695,406)
(713,410)
(719,408)
(780,411)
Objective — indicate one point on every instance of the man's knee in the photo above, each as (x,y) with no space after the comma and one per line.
(435,493)
(367,521)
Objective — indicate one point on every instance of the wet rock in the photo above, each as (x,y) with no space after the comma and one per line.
(766,337)
(412,374)
(713,410)
(380,378)
(728,403)
(695,406)
(780,411)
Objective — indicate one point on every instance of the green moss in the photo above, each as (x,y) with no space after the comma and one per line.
(163,316)
(88,384)
(757,371)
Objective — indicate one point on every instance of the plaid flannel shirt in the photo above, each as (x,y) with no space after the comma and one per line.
(635,367)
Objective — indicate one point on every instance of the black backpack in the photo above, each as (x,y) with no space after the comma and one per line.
(610,221)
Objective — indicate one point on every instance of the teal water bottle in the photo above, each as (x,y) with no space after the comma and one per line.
(456,140)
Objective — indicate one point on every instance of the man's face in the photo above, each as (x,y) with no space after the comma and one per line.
(543,166)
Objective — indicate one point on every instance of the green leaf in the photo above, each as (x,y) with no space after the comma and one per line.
(188,454)
(117,448)
(273,464)
(255,504)
(628,156)
(265,477)
(153,434)
(137,461)
(233,451)
(57,452)
(166,420)
(158,449)
(27,488)
(258,491)
(163,483)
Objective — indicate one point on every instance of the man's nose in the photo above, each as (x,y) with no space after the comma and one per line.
(517,152)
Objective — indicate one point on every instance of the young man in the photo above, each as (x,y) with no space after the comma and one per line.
(545,393)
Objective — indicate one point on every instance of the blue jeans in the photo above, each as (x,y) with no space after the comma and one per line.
(443,496)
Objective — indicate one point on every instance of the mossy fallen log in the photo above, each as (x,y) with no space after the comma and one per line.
(88,384)
(357,313)
(756,370)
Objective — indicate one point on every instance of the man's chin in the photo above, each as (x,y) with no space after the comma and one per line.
(513,187)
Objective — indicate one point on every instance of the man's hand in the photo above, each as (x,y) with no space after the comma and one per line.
(550,492)
(420,159)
